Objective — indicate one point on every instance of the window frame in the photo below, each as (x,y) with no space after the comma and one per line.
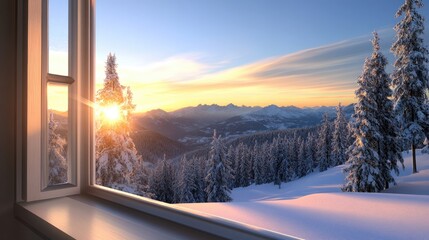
(34,104)
(31,63)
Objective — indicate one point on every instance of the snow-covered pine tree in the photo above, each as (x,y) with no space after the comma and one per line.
(161,182)
(257,164)
(363,170)
(324,144)
(279,161)
(310,153)
(186,182)
(388,144)
(198,173)
(339,138)
(218,178)
(410,75)
(266,160)
(292,146)
(117,159)
(231,162)
(302,161)
(56,154)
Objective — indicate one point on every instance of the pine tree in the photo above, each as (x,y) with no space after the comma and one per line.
(410,76)
(266,160)
(198,174)
(324,144)
(230,166)
(56,154)
(302,160)
(364,162)
(217,178)
(161,182)
(257,164)
(117,161)
(339,138)
(388,146)
(310,153)
(279,161)
(186,182)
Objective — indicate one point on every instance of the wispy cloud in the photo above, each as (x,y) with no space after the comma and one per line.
(319,76)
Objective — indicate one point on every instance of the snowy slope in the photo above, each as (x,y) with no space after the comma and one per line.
(314,207)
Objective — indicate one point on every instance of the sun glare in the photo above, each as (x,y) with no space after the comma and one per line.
(111,113)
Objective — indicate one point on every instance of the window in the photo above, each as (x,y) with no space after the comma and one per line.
(55,88)
(61,101)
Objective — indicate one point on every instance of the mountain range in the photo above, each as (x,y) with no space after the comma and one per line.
(194,126)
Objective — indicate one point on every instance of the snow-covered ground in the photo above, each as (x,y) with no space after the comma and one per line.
(314,207)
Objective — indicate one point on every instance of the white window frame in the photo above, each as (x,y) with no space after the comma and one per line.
(30,105)
(34,106)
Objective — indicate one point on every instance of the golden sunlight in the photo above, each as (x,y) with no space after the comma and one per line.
(111,113)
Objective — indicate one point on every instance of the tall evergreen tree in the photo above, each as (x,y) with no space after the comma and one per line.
(365,164)
(161,183)
(388,144)
(258,165)
(218,178)
(410,75)
(117,160)
(56,154)
(339,138)
(186,181)
(324,144)
(310,153)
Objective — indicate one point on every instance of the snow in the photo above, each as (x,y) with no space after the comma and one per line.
(314,207)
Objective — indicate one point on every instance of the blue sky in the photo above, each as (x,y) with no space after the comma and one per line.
(177,53)
(240,31)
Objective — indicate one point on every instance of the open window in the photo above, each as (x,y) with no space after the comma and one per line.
(62,109)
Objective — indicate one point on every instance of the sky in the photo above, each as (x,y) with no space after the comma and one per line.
(178,53)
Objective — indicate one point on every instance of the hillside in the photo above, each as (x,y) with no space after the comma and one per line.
(193,126)
(152,146)
(314,207)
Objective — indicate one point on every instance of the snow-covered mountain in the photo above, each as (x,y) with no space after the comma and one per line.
(208,114)
(195,125)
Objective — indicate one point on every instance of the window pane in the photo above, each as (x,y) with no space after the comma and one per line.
(58,160)
(58,33)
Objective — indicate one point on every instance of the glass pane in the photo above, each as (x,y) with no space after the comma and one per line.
(58,134)
(58,33)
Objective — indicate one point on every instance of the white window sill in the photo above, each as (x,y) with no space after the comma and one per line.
(86,217)
(89,217)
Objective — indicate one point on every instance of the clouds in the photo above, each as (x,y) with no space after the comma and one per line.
(324,75)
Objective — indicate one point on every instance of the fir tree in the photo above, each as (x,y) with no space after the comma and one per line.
(302,160)
(365,163)
(310,153)
(231,162)
(257,164)
(186,182)
(56,154)
(279,161)
(198,174)
(117,161)
(161,182)
(339,138)
(410,75)
(324,144)
(218,178)
(388,146)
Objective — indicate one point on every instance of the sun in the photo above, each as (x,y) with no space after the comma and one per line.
(111,113)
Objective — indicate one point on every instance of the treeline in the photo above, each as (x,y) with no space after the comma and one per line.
(280,157)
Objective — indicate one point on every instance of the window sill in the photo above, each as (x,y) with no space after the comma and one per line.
(89,217)
(86,217)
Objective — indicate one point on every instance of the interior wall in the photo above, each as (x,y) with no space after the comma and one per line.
(10,228)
